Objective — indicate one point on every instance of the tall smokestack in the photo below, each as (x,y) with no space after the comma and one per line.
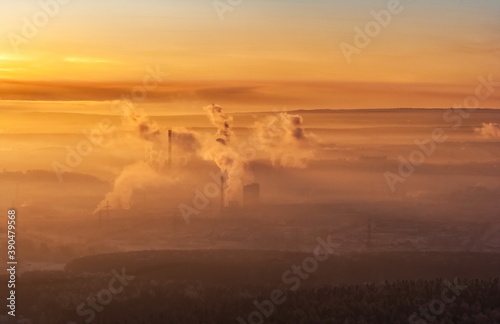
(170,149)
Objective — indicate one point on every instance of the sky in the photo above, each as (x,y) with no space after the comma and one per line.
(258,55)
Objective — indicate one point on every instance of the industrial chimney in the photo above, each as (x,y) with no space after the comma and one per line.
(170,135)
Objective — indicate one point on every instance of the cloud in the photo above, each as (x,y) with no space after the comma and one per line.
(11,58)
(223,151)
(88,60)
(244,94)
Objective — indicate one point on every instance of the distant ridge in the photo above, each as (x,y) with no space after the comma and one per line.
(387,110)
(96,116)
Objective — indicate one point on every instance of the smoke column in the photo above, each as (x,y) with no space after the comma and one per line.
(223,152)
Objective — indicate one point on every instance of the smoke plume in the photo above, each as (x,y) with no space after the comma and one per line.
(281,136)
(149,171)
(156,139)
(489,130)
(136,176)
(285,140)
(224,153)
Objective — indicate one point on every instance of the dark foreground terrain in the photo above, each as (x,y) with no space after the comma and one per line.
(219,287)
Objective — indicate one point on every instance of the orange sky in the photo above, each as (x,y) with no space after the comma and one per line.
(264,54)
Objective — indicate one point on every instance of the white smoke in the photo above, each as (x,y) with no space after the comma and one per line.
(133,177)
(224,153)
(489,130)
(155,138)
(284,139)
(187,144)
(150,171)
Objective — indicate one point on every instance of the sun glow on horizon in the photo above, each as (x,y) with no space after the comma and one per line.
(422,59)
